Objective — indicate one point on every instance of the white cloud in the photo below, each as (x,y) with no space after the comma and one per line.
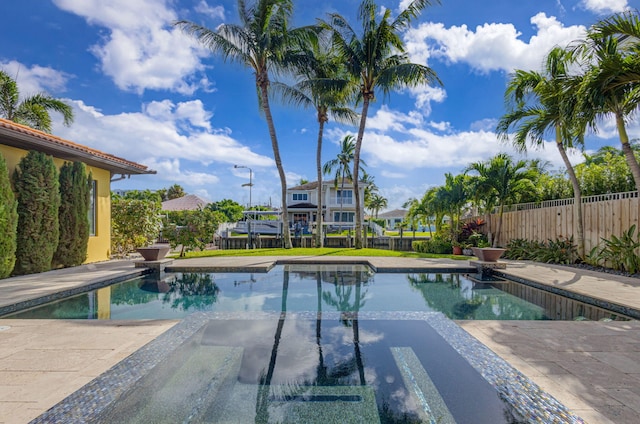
(492,46)
(162,136)
(141,49)
(388,174)
(605,6)
(36,79)
(212,12)
(386,119)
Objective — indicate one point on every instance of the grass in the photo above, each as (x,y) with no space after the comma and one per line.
(325,251)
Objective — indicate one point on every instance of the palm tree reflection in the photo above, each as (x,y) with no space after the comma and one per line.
(192,292)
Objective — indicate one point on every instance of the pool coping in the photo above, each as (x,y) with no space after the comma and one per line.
(526,399)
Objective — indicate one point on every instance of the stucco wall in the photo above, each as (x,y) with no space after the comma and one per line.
(99,245)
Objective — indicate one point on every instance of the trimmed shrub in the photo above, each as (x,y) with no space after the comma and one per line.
(73,215)
(36,188)
(8,222)
(435,245)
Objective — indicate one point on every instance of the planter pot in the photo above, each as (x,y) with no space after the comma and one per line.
(467,252)
(457,250)
(153,253)
(488,254)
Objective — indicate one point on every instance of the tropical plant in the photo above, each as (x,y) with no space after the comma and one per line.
(376,203)
(605,89)
(32,111)
(8,222)
(503,180)
(437,244)
(259,43)
(231,210)
(541,103)
(134,223)
(558,251)
(452,197)
(620,253)
(153,196)
(341,165)
(175,192)
(322,86)
(35,181)
(191,229)
(73,215)
(376,58)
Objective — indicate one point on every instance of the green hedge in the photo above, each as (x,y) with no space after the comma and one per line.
(8,222)
(435,245)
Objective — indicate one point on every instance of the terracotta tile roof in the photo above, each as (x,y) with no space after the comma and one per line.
(23,137)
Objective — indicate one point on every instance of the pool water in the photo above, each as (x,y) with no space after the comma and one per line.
(295,370)
(342,288)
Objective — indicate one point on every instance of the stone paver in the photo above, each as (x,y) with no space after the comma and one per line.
(591,367)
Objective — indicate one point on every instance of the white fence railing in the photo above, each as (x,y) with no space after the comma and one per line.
(566,202)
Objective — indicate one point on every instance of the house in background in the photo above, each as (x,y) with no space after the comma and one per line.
(393,218)
(17,140)
(302,204)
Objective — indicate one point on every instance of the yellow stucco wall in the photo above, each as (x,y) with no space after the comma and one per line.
(99,247)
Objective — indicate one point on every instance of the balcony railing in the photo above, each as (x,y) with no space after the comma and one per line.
(335,201)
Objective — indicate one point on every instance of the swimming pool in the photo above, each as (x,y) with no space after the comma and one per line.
(307,344)
(338,288)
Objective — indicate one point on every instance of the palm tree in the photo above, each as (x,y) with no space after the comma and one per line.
(322,87)
(377,59)
(32,111)
(605,90)
(504,180)
(259,43)
(540,103)
(341,164)
(376,203)
(452,197)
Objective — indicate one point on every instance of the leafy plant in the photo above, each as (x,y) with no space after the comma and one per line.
(437,245)
(619,253)
(522,249)
(134,223)
(558,251)
(191,229)
(8,222)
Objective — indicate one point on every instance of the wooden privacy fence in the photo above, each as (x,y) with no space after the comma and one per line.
(603,216)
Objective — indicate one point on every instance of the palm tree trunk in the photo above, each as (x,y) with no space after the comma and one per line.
(628,151)
(319,238)
(356,170)
(577,194)
(341,202)
(262,82)
(499,229)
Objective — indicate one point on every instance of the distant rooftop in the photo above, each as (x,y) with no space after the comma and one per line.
(190,202)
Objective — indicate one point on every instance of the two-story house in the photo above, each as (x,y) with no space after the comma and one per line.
(338,204)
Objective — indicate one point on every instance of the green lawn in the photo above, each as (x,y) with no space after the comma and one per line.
(301,251)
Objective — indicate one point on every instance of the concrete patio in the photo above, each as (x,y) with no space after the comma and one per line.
(591,367)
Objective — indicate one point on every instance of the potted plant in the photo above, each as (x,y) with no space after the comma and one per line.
(457,247)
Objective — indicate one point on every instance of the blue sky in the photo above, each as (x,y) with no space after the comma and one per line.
(144,91)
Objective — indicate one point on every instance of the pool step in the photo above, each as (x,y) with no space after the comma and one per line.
(180,390)
(298,404)
(422,392)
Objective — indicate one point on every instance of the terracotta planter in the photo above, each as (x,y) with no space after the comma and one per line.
(488,254)
(153,253)
(457,250)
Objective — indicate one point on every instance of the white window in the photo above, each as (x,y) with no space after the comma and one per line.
(300,196)
(346,196)
(93,193)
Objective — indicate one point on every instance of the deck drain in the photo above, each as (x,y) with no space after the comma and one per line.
(316,398)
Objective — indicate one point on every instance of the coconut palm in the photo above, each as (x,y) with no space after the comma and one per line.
(32,111)
(323,87)
(504,180)
(341,165)
(377,59)
(540,103)
(605,91)
(452,197)
(376,203)
(259,43)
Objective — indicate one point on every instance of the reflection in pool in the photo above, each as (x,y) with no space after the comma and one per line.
(341,288)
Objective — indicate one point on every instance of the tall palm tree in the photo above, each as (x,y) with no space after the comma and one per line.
(540,103)
(452,197)
(259,42)
(32,111)
(503,179)
(377,59)
(322,86)
(605,90)
(341,165)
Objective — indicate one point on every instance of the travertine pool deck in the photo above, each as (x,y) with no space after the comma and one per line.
(591,367)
